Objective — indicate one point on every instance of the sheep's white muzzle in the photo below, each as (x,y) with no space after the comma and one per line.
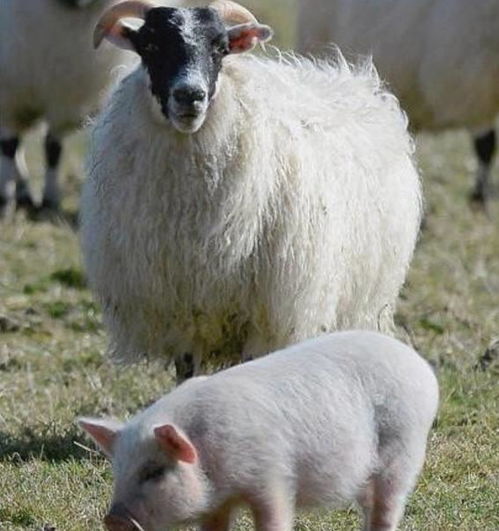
(188,120)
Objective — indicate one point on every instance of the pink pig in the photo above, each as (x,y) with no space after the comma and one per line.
(341,418)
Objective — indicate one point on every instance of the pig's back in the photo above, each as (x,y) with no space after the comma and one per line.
(312,413)
(342,365)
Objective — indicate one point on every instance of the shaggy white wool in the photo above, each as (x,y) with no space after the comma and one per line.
(292,212)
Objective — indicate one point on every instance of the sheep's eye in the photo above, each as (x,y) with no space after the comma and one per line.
(220,45)
(152,472)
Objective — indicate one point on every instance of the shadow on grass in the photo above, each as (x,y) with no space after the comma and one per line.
(43,444)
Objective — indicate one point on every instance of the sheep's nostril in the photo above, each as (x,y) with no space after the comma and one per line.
(189,95)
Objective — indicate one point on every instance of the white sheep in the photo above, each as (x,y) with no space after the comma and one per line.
(441,58)
(49,72)
(333,420)
(240,204)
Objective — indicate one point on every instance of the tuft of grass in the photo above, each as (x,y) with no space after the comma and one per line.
(71,277)
(57,309)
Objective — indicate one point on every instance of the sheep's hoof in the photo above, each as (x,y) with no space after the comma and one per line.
(478,199)
(24,202)
(47,211)
(50,205)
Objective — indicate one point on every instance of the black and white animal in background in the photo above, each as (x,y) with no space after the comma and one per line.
(237,204)
(441,58)
(48,72)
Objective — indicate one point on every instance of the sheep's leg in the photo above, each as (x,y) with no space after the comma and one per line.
(7,171)
(185,367)
(51,193)
(485,146)
(23,194)
(10,174)
(254,347)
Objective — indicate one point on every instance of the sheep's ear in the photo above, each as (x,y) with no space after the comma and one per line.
(245,37)
(175,444)
(103,431)
(120,35)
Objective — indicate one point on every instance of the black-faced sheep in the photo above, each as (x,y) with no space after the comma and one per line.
(240,204)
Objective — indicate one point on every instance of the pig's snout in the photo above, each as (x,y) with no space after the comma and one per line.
(118,520)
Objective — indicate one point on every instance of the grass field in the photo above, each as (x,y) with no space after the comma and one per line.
(52,367)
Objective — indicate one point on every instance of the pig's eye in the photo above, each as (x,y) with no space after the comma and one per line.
(152,472)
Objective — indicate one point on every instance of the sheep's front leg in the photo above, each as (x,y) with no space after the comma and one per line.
(11,178)
(254,347)
(187,366)
(51,192)
(485,147)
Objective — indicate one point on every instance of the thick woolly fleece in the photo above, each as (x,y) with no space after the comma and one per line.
(293,211)
(441,57)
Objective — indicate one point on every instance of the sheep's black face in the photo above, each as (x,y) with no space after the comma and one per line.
(182,50)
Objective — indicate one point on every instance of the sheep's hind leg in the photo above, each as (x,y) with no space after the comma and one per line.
(485,146)
(51,192)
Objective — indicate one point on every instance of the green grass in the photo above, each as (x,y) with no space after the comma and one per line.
(52,367)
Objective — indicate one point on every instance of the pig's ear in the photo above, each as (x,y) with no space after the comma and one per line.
(175,443)
(103,431)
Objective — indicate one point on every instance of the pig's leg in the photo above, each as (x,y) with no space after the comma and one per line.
(219,521)
(366,501)
(274,513)
(389,490)
(387,508)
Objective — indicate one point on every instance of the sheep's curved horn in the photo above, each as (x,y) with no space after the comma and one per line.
(131,8)
(229,10)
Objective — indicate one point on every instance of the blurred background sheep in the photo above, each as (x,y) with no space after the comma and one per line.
(48,72)
(440,57)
